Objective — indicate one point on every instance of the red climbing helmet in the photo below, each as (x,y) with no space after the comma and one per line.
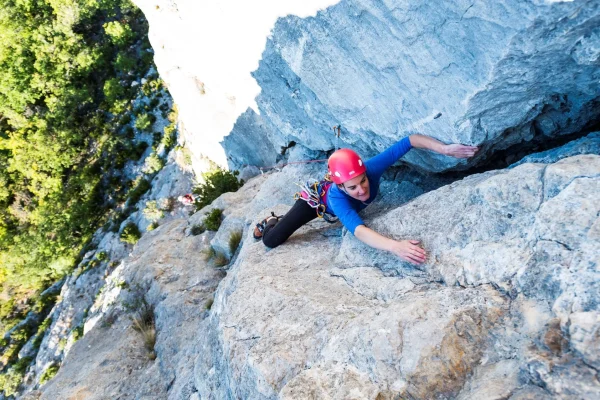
(344,165)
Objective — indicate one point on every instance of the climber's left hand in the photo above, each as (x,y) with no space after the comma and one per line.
(460,150)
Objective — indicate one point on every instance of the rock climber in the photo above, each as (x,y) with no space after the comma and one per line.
(350,186)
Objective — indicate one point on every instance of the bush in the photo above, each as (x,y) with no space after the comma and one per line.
(138,150)
(77,333)
(170,136)
(220,260)
(216,183)
(101,256)
(143,322)
(143,122)
(153,164)
(234,241)
(125,119)
(49,373)
(129,132)
(118,32)
(198,229)
(156,137)
(208,253)
(11,380)
(168,204)
(113,90)
(152,212)
(130,234)
(142,186)
(152,227)
(213,220)
(124,63)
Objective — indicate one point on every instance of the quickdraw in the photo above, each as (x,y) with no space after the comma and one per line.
(314,193)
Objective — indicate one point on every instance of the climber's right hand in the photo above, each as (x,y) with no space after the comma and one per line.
(408,250)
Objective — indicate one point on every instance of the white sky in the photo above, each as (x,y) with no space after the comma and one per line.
(212,47)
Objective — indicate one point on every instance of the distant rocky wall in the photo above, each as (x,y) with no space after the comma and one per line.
(479,73)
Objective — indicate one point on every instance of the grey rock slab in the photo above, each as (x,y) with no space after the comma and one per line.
(493,75)
(284,320)
(166,269)
(506,303)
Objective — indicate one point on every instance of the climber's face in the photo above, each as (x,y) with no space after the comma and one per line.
(358,188)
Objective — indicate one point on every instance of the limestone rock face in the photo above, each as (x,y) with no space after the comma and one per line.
(482,74)
(506,307)
(508,298)
(165,269)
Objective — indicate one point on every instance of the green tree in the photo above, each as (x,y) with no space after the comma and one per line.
(118,32)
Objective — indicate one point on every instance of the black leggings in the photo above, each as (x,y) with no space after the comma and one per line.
(277,232)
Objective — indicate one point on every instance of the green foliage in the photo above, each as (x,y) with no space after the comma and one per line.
(153,164)
(187,155)
(170,136)
(102,255)
(77,333)
(11,380)
(152,212)
(141,186)
(234,241)
(49,373)
(113,90)
(130,233)
(216,182)
(139,150)
(220,260)
(152,227)
(213,219)
(65,111)
(41,332)
(209,303)
(143,322)
(168,204)
(208,253)
(118,32)
(197,229)
(144,122)
(124,63)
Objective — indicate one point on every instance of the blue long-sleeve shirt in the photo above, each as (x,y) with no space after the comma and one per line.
(345,207)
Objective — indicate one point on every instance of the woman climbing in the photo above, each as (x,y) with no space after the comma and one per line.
(352,186)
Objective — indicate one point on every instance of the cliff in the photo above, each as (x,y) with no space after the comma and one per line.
(506,306)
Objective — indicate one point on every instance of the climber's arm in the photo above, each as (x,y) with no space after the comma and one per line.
(452,150)
(405,249)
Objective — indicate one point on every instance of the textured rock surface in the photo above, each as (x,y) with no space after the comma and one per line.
(110,360)
(99,271)
(589,144)
(506,306)
(499,74)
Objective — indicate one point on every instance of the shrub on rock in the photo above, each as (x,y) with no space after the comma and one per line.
(130,234)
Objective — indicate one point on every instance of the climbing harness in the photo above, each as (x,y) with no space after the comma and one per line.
(314,193)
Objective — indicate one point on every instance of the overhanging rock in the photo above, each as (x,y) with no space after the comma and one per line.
(482,74)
